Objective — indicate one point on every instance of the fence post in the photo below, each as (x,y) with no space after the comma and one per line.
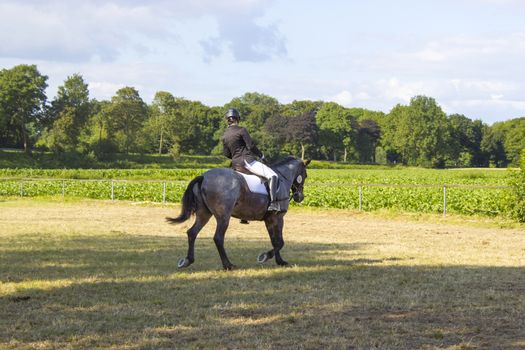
(112,190)
(21,188)
(444,200)
(360,197)
(164,193)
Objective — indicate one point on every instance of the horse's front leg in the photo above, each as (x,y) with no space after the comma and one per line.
(274,225)
(218,238)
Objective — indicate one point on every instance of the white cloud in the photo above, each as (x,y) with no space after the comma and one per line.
(509,104)
(344,98)
(395,90)
(486,87)
(489,110)
(73,31)
(349,99)
(463,47)
(431,54)
(362,96)
(104,89)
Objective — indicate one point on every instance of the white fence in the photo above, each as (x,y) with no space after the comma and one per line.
(171,191)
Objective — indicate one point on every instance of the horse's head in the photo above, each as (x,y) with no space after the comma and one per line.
(298,181)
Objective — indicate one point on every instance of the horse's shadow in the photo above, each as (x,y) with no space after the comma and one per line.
(131,256)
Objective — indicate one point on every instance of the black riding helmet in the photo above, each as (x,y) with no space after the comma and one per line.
(232,115)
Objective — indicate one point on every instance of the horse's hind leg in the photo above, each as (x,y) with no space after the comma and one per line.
(264,257)
(203,215)
(218,238)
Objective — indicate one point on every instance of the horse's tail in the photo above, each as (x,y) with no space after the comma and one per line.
(189,202)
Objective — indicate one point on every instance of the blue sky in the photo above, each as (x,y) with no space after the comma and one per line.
(467,54)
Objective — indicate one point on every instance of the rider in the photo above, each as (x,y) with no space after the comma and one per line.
(241,149)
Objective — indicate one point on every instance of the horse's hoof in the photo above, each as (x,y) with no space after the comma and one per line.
(183,262)
(262,258)
(229,267)
(283,263)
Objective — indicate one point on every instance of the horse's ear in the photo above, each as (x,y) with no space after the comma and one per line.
(306,162)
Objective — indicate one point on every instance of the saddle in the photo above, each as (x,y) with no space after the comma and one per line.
(259,185)
(255,183)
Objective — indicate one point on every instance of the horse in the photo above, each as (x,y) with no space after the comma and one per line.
(224,193)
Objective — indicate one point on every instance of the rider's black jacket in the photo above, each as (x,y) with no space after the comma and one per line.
(239,146)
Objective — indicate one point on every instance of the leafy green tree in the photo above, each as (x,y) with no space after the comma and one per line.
(22,100)
(362,114)
(493,146)
(276,131)
(159,125)
(390,146)
(337,131)
(513,134)
(515,140)
(68,114)
(126,116)
(368,136)
(96,134)
(466,136)
(283,139)
(475,135)
(74,93)
(419,132)
(64,133)
(214,119)
(97,124)
(381,156)
(197,127)
(431,129)
(303,131)
(297,108)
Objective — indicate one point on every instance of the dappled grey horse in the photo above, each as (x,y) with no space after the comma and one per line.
(224,193)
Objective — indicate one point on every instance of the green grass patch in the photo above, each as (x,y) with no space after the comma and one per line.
(102,275)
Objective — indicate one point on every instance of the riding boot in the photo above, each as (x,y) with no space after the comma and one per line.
(274,206)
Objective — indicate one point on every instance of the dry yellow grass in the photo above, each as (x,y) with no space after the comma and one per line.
(102,275)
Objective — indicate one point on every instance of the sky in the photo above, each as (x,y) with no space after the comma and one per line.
(467,54)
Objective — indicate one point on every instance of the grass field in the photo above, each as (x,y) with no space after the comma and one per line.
(93,274)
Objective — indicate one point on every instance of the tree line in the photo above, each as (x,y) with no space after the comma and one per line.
(418,134)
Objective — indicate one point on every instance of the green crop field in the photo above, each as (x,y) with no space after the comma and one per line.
(472,191)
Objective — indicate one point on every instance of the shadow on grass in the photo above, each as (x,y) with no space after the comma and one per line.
(125,292)
(110,256)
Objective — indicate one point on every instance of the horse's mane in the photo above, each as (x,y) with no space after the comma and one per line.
(283,161)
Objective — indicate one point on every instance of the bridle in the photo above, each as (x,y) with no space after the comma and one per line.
(294,188)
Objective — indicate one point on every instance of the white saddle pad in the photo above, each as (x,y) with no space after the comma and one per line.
(255,183)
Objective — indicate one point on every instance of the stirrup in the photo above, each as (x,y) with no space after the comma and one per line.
(274,207)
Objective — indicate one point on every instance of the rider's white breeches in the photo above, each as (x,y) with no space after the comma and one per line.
(260,169)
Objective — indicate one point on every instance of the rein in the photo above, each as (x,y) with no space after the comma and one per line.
(293,187)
